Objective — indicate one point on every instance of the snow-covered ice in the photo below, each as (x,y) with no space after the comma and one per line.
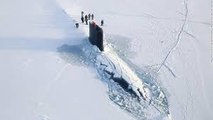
(45,76)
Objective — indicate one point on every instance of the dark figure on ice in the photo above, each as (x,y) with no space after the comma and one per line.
(86,19)
(76,25)
(82,19)
(82,13)
(102,22)
(92,16)
(89,16)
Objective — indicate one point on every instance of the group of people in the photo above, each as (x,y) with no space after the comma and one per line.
(86,18)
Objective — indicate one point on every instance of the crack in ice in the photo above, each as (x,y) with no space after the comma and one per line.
(178,37)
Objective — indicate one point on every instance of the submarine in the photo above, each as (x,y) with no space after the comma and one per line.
(113,66)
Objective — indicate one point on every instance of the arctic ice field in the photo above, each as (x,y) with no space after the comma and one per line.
(156,64)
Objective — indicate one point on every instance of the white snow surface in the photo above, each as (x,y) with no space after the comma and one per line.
(170,39)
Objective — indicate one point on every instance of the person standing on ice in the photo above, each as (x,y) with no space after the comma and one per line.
(89,16)
(92,16)
(76,25)
(102,22)
(82,19)
(86,19)
(82,13)
(82,16)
